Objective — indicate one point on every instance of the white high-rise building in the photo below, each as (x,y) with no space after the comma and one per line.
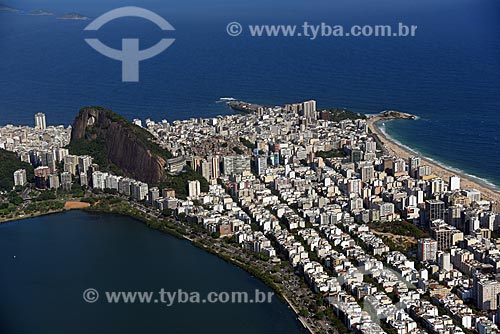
(54,182)
(486,293)
(413,164)
(309,106)
(99,180)
(194,188)
(427,249)
(124,186)
(235,164)
(66,180)
(111,181)
(309,109)
(140,190)
(454,183)
(370,146)
(84,163)
(60,153)
(40,122)
(20,177)
(214,166)
(367,173)
(261,165)
(444,261)
(399,166)
(205,169)
(84,180)
(437,185)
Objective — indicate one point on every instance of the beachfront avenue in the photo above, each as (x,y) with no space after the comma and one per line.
(303,197)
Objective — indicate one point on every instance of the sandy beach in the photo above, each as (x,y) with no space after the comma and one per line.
(71,205)
(401,152)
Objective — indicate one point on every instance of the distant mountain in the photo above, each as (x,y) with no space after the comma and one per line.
(74,17)
(9,163)
(5,8)
(40,12)
(118,145)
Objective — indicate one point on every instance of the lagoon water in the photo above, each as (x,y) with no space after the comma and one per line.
(47,262)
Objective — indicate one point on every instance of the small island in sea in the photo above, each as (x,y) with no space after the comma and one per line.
(5,8)
(74,17)
(40,12)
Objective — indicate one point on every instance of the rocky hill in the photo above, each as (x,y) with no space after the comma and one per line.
(118,145)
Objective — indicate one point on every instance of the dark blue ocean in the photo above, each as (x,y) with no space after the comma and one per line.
(448,75)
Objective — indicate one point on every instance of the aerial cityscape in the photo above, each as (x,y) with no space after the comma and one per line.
(268,167)
(385,242)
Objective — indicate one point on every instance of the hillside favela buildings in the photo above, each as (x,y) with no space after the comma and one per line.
(313,187)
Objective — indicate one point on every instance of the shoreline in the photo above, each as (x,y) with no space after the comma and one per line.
(176,234)
(223,256)
(399,150)
(34,215)
(69,206)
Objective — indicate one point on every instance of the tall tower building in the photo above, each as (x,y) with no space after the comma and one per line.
(434,209)
(309,109)
(40,121)
(84,163)
(205,169)
(367,173)
(454,183)
(370,146)
(445,235)
(214,166)
(413,164)
(399,167)
(261,164)
(235,164)
(486,292)
(427,249)
(20,177)
(437,186)
(388,165)
(194,188)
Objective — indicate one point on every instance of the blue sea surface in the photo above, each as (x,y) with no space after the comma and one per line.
(448,75)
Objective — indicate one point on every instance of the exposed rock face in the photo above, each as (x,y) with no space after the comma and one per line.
(126,145)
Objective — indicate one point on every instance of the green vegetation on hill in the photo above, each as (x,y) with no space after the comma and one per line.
(144,136)
(97,147)
(180,182)
(9,163)
(238,150)
(338,115)
(399,227)
(97,150)
(247,143)
(330,154)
